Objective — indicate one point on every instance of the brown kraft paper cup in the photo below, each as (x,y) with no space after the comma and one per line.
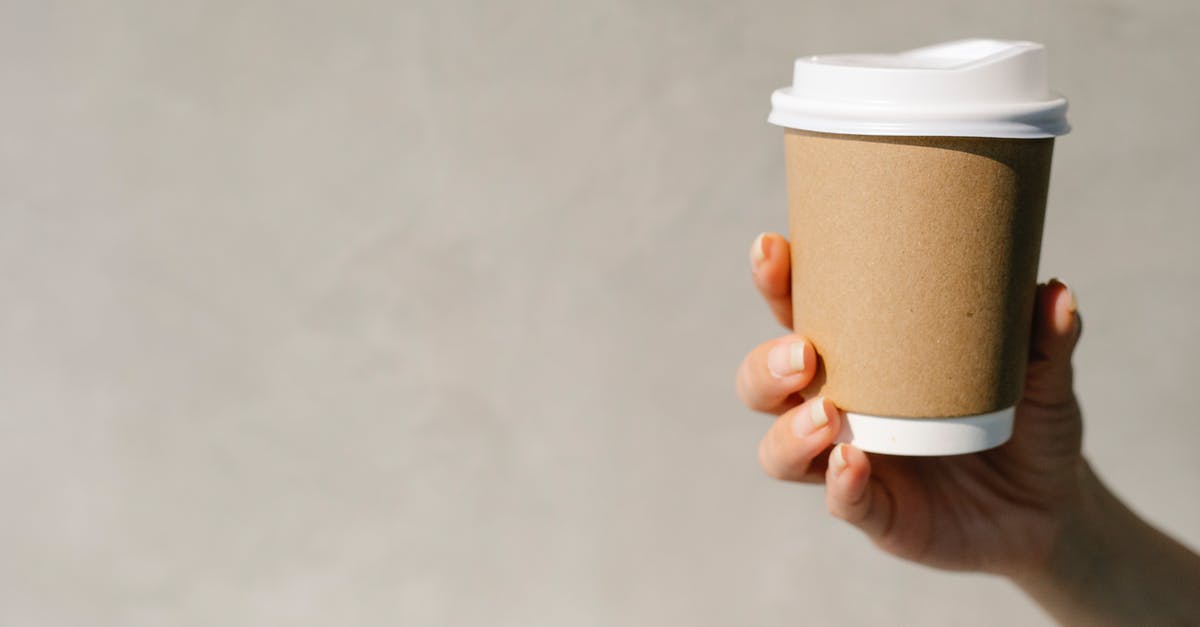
(914,267)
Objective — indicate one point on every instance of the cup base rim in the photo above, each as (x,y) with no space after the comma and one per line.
(927,436)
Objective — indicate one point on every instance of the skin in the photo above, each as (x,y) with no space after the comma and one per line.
(1031,510)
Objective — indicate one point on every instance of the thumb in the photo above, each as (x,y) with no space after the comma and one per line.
(1056,330)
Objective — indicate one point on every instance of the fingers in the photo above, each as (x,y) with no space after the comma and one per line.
(1056,330)
(772,375)
(792,447)
(797,438)
(771,266)
(853,495)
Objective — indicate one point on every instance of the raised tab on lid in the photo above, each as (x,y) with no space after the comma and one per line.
(972,87)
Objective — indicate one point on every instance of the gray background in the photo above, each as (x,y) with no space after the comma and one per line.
(377,313)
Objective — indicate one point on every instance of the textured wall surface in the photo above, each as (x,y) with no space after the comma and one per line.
(379,313)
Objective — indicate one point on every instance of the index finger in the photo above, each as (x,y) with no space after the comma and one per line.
(771,267)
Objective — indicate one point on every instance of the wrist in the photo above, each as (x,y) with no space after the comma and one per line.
(1080,521)
(1057,581)
(1107,566)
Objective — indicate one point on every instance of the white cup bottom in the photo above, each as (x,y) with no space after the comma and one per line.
(927,436)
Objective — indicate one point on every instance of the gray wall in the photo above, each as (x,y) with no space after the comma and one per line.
(378,313)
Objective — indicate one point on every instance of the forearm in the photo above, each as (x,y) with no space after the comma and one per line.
(1109,567)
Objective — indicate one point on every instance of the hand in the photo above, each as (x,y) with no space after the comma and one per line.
(997,511)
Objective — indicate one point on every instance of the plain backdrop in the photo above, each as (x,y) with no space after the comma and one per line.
(395,313)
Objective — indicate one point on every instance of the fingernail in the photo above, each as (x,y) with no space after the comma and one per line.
(818,415)
(786,359)
(757,253)
(805,423)
(1072,303)
(837,460)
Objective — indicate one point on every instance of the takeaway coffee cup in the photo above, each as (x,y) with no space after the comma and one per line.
(917,189)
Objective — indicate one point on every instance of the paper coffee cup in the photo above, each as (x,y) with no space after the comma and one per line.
(917,189)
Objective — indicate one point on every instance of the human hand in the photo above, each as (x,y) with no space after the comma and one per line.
(997,511)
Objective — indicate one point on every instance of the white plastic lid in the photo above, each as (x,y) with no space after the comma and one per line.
(966,88)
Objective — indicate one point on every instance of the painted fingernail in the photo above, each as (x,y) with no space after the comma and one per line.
(757,252)
(837,460)
(786,359)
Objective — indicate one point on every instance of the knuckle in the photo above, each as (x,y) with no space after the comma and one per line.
(835,509)
(776,463)
(739,384)
(748,387)
(767,462)
(838,506)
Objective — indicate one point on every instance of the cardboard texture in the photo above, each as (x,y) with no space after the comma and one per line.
(914,267)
